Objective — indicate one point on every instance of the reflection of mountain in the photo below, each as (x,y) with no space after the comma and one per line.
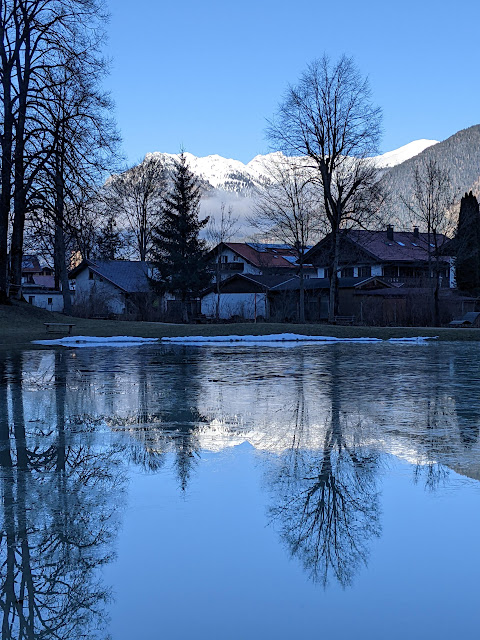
(327,415)
(58,516)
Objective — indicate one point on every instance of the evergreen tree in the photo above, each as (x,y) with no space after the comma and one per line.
(467,242)
(179,254)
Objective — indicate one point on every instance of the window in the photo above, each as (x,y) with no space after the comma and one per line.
(347,272)
(31,299)
(224,258)
(49,300)
(365,272)
(235,258)
(90,275)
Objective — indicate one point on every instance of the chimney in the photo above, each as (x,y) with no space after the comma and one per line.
(416,234)
(389,232)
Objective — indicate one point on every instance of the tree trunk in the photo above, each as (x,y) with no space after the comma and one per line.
(333,298)
(301,308)
(184,308)
(217,305)
(6,185)
(61,273)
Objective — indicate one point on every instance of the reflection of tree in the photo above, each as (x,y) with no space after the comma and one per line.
(57,519)
(326,501)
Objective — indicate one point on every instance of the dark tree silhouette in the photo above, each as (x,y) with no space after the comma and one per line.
(179,254)
(467,245)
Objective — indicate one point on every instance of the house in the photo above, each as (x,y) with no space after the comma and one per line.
(402,258)
(284,299)
(255,259)
(242,296)
(408,306)
(38,285)
(43,297)
(111,287)
(32,268)
(276,297)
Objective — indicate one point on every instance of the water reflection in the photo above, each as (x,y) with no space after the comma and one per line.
(326,501)
(324,423)
(59,515)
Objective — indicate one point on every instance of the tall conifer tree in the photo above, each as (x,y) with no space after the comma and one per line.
(179,253)
(467,241)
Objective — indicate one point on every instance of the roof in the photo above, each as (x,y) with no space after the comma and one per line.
(406,246)
(403,292)
(265,255)
(324,283)
(30,263)
(130,276)
(263,281)
(44,281)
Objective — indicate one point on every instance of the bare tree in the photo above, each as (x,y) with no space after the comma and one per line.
(41,41)
(218,232)
(329,118)
(287,208)
(430,205)
(137,195)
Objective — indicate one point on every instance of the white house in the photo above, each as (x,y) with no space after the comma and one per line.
(242,295)
(110,287)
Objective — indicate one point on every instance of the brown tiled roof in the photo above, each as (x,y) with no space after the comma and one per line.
(267,257)
(405,246)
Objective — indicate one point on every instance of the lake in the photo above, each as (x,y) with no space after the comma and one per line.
(240,492)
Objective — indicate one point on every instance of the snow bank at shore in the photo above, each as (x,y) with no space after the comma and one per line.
(277,339)
(92,341)
(280,338)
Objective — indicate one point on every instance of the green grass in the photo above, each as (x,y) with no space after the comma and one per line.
(21,323)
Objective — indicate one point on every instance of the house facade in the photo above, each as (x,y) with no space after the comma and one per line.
(402,258)
(242,296)
(116,288)
(249,258)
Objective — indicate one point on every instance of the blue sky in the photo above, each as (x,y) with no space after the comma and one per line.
(206,75)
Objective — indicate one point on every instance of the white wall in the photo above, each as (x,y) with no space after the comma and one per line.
(234,304)
(41,300)
(233,257)
(99,291)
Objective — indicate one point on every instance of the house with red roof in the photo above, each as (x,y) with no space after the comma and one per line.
(254,258)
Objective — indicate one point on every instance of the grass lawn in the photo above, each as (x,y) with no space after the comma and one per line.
(21,323)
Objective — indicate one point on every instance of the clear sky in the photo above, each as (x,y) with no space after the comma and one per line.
(205,74)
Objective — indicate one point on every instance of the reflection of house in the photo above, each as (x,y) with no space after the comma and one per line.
(110,287)
(401,258)
(255,259)
(276,297)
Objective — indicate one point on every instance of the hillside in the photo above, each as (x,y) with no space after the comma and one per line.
(459,154)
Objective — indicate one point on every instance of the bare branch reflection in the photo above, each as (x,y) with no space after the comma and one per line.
(58,519)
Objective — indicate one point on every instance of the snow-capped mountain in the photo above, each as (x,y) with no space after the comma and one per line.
(234,177)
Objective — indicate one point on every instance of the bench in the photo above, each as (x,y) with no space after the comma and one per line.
(344,319)
(58,327)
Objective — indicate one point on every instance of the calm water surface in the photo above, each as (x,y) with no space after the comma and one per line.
(240,492)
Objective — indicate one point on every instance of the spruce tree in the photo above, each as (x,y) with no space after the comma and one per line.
(467,243)
(179,254)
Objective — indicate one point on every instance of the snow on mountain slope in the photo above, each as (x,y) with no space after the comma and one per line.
(392,158)
(233,176)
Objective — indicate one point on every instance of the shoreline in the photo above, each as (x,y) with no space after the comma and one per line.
(20,324)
